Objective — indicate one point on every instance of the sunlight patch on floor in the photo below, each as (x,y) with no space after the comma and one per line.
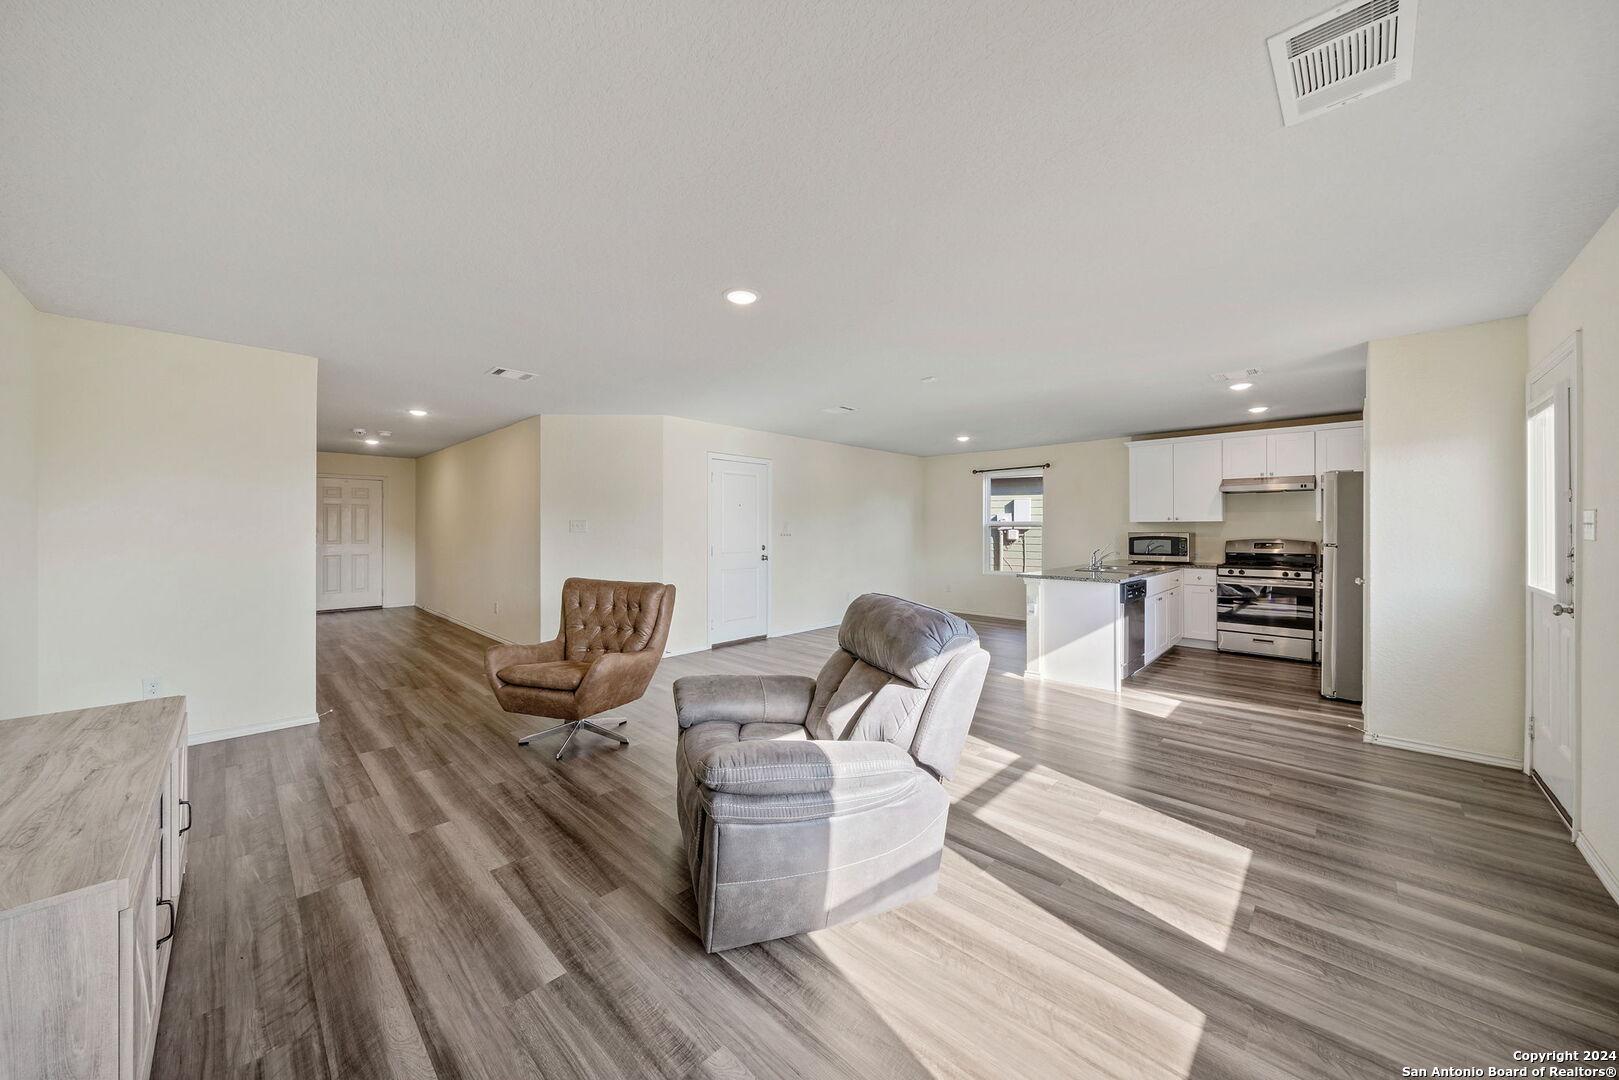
(1046,1001)
(1185,876)
(1049,694)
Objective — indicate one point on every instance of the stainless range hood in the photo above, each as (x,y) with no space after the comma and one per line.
(1268,483)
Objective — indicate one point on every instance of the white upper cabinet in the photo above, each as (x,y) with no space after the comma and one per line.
(1291,453)
(1179,479)
(1244,456)
(1197,482)
(1288,453)
(1152,481)
(1175,481)
(1339,448)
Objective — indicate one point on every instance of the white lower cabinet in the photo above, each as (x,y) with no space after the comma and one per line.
(1201,604)
(1165,616)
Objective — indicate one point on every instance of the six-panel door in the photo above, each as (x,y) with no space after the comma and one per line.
(348,535)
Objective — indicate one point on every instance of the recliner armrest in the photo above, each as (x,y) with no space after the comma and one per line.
(804,767)
(743,699)
(504,656)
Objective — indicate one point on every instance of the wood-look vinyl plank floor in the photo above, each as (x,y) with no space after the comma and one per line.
(1208,876)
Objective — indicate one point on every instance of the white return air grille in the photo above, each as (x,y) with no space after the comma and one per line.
(1343,55)
(510,373)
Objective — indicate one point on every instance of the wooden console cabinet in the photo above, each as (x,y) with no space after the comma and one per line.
(93,817)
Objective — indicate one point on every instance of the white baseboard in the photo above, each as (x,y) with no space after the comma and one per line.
(401,603)
(197,738)
(466,625)
(1604,872)
(806,629)
(686,652)
(1444,751)
(1019,620)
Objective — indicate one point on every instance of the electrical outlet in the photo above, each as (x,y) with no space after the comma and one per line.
(497,607)
(578,525)
(151,687)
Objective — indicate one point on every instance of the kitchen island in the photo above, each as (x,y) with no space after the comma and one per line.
(1090,628)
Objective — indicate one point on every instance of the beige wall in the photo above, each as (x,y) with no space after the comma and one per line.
(175,537)
(844,521)
(1586,298)
(398,476)
(19,564)
(1445,547)
(603,471)
(1253,515)
(1087,505)
(478,532)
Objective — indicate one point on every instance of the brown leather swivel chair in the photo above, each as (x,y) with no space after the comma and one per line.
(603,656)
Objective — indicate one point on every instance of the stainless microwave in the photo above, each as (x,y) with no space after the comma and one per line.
(1154,547)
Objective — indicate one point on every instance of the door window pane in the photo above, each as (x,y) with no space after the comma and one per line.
(1542,547)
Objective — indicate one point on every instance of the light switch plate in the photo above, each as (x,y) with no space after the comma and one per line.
(1588,524)
(151,688)
(578,525)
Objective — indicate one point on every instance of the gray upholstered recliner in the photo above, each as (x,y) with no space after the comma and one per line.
(809,802)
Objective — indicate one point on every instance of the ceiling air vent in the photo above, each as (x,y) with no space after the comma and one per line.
(510,373)
(1343,55)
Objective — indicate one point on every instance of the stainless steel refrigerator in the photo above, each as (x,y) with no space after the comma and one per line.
(1343,569)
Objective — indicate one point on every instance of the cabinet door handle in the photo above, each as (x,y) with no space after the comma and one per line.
(174,922)
(190,813)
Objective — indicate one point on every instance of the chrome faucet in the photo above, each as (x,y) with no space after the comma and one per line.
(1098,556)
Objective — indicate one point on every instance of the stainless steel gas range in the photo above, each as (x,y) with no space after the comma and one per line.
(1267,598)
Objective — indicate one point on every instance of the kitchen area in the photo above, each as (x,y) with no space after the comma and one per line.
(1274,567)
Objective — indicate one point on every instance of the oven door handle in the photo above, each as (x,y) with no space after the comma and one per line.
(1261,583)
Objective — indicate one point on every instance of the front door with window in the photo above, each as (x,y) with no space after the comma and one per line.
(348,543)
(1550,574)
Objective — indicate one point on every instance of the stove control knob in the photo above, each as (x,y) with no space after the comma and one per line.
(1242,571)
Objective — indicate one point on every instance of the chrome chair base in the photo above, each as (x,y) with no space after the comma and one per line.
(573,727)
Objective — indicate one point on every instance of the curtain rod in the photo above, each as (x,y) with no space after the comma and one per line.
(1012,468)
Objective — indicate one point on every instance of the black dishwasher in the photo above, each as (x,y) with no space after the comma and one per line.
(1133,598)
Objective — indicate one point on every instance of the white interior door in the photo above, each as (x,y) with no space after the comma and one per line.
(348,543)
(1553,743)
(738,548)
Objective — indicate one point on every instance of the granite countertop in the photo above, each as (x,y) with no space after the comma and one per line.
(1117,575)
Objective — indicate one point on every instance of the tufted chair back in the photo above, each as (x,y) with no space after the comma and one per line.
(611,617)
(904,673)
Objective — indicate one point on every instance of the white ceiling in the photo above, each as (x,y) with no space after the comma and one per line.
(1071,213)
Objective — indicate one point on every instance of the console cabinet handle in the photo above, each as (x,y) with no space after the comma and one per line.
(190,813)
(174,920)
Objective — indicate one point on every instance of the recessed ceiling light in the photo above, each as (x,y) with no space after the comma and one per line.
(930,378)
(838,410)
(418,412)
(372,442)
(1241,386)
(741,297)
(1259,408)
(963,438)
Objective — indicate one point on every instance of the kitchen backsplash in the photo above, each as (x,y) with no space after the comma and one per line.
(1250,515)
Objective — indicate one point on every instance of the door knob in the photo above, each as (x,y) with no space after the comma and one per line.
(1562,609)
(1360,581)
